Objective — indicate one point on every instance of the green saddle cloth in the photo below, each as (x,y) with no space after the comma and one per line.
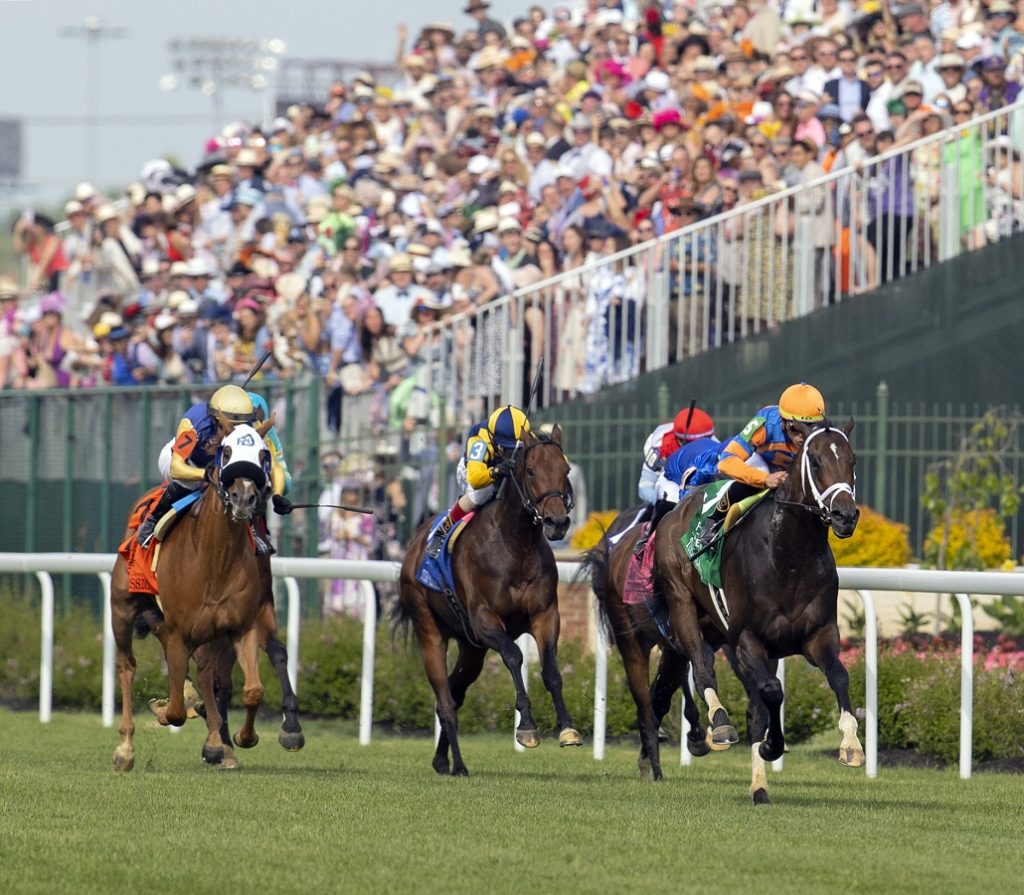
(706,532)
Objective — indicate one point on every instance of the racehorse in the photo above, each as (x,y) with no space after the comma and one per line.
(506,585)
(209,583)
(779,589)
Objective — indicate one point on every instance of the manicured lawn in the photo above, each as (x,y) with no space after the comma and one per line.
(338,817)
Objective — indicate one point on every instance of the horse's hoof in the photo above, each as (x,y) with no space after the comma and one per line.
(770,753)
(570,737)
(246,744)
(230,763)
(159,708)
(462,771)
(194,707)
(123,763)
(852,758)
(646,769)
(442,767)
(697,747)
(213,754)
(291,741)
(722,737)
(528,739)
(760,796)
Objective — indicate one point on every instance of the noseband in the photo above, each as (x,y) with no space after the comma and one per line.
(823,499)
(532,503)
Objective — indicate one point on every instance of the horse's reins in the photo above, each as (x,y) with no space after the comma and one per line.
(532,503)
(830,493)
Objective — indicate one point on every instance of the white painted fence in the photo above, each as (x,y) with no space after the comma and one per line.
(864,581)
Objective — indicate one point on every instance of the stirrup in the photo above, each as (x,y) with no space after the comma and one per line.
(641,544)
(263,546)
(146,531)
(436,541)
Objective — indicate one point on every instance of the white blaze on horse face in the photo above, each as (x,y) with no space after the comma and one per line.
(245,444)
(835,450)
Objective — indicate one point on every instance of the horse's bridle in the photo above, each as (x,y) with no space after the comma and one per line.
(823,509)
(532,503)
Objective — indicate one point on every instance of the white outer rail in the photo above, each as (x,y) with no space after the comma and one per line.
(864,581)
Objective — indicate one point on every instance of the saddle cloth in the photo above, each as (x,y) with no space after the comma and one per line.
(706,532)
(141,577)
(437,574)
(639,585)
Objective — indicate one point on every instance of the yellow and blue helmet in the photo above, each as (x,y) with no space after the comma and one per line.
(507,425)
(802,402)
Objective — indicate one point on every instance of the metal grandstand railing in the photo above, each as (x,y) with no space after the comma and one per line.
(738,274)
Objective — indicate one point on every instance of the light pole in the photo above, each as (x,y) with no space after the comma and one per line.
(213,64)
(93,30)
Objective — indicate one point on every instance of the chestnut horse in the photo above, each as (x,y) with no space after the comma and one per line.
(506,585)
(210,585)
(779,590)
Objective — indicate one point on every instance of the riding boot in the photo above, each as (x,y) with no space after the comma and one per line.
(660,509)
(436,540)
(174,491)
(261,538)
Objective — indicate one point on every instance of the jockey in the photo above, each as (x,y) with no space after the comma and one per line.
(261,414)
(666,440)
(185,459)
(694,441)
(762,453)
(487,457)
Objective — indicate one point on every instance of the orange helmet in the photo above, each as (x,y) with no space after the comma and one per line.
(690,427)
(802,402)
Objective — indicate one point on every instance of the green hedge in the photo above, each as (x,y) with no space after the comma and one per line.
(918,691)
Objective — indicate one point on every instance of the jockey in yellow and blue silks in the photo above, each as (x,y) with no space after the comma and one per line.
(486,458)
(185,459)
(261,413)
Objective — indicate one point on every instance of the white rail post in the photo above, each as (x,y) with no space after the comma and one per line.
(46,648)
(870,684)
(108,652)
(781,675)
(294,607)
(600,692)
(369,653)
(685,758)
(524,647)
(966,684)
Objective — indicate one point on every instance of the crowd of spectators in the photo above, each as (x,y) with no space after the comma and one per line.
(500,154)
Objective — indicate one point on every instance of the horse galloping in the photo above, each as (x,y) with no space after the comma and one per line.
(779,588)
(209,584)
(506,585)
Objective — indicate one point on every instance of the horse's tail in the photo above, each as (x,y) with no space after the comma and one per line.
(401,622)
(148,620)
(594,568)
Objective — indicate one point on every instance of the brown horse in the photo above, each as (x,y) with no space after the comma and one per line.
(209,584)
(506,585)
(779,590)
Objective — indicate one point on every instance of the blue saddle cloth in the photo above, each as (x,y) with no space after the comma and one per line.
(437,573)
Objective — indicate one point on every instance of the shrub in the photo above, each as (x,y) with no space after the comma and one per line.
(591,531)
(876,542)
(977,540)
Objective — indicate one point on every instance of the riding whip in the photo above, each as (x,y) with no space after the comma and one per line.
(333,506)
(535,387)
(689,416)
(259,365)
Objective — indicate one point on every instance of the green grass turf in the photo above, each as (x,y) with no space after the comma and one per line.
(338,817)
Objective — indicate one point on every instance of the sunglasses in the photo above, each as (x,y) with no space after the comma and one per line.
(863,134)
(798,58)
(847,58)
(899,66)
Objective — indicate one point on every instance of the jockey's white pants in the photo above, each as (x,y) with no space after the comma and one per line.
(164,465)
(477,496)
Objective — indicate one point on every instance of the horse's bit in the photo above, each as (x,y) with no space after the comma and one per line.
(531,503)
(831,492)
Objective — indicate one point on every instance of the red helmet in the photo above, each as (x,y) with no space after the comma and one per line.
(700,425)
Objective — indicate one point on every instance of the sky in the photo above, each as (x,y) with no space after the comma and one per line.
(45,82)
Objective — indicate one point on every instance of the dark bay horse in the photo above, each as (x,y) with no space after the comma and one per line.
(506,585)
(209,584)
(779,590)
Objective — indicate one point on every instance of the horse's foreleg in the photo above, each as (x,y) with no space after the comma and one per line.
(123,620)
(686,627)
(434,650)
(757,727)
(172,711)
(544,627)
(492,632)
(247,652)
(672,676)
(291,736)
(823,650)
(206,663)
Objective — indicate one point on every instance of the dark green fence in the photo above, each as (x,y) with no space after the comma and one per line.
(896,442)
